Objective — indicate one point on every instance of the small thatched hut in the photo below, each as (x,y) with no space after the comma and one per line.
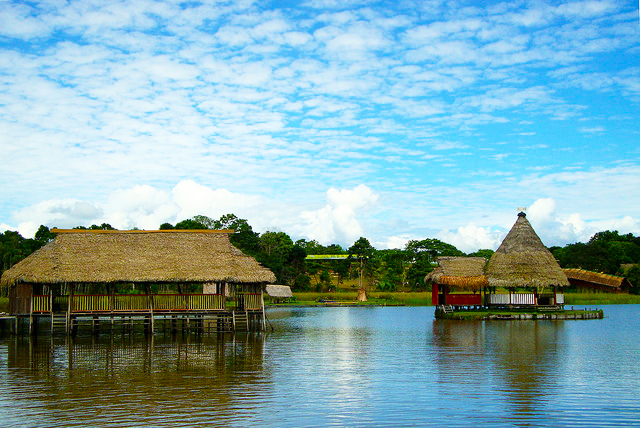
(279,293)
(457,273)
(585,280)
(80,262)
(522,261)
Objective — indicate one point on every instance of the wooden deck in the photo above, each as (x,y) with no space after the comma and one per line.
(199,312)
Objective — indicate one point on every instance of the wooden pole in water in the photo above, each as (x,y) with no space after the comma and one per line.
(264,316)
(31,313)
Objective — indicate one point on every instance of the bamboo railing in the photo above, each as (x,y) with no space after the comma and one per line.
(41,304)
(104,303)
(250,301)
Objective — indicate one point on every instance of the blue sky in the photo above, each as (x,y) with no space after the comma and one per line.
(328,120)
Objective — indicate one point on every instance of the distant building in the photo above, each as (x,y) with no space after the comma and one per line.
(588,281)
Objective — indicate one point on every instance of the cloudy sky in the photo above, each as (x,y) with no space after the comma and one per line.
(326,119)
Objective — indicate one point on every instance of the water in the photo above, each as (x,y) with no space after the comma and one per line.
(335,367)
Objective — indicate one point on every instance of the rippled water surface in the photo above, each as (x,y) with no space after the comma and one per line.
(335,367)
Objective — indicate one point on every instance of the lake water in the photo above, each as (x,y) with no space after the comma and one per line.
(361,366)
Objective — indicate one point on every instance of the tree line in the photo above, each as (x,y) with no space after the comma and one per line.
(384,270)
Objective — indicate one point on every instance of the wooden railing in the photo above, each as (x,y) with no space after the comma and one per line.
(511,299)
(522,299)
(130,302)
(249,301)
(41,304)
(100,303)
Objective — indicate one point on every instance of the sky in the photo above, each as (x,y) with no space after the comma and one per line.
(327,120)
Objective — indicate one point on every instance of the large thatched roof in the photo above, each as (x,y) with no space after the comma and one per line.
(77,256)
(459,272)
(522,260)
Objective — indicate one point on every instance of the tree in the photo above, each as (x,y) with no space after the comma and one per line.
(392,270)
(486,253)
(362,251)
(189,224)
(44,235)
(424,255)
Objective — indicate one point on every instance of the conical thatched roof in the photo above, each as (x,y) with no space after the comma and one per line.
(459,272)
(77,256)
(523,261)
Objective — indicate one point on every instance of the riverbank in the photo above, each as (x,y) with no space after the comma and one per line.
(423,298)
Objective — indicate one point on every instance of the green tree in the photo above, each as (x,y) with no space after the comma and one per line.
(424,254)
(486,253)
(44,235)
(362,251)
(189,224)
(392,270)
(633,276)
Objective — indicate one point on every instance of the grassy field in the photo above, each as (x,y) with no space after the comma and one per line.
(374,298)
(600,299)
(424,298)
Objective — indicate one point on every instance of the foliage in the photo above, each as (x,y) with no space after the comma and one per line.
(485,253)
(633,276)
(362,250)
(424,255)
(605,252)
(14,248)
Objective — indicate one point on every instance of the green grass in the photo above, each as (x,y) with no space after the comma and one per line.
(374,298)
(424,298)
(600,299)
(4,304)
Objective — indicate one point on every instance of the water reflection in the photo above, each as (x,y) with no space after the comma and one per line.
(124,379)
(516,359)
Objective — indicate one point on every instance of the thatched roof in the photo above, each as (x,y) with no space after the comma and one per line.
(459,272)
(522,260)
(279,291)
(77,256)
(615,282)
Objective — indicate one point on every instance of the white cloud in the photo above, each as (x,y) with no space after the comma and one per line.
(337,221)
(470,238)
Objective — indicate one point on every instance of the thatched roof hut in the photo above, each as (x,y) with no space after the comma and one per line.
(463,273)
(164,256)
(279,291)
(600,281)
(522,260)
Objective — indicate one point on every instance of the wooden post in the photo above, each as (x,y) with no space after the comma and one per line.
(150,300)
(31,313)
(264,316)
(51,306)
(67,326)
(434,294)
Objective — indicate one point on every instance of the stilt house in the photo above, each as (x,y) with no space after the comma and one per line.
(125,273)
(596,282)
(458,281)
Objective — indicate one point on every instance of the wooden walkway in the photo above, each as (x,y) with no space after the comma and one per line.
(141,312)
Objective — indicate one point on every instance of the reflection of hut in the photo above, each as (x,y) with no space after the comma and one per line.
(279,293)
(459,274)
(588,281)
(119,273)
(522,261)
